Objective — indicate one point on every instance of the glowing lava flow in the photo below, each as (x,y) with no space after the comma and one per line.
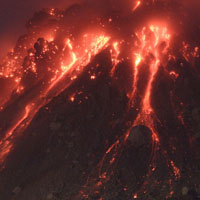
(138,3)
(151,40)
(37,70)
(115,51)
(153,45)
(6,143)
(77,60)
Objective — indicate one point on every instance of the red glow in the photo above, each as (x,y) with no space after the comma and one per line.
(137,4)
(115,51)
(175,170)
(174,74)
(6,144)
(50,60)
(92,77)
(73,65)
(138,59)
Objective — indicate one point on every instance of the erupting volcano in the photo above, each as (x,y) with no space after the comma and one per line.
(129,68)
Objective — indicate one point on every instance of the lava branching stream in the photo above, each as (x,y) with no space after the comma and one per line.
(152,41)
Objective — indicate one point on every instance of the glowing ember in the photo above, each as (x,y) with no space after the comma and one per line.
(176,170)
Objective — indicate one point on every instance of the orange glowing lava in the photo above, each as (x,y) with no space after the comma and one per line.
(47,60)
(138,3)
(115,52)
(71,66)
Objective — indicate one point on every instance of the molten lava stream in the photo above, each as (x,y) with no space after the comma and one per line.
(156,46)
(91,46)
(154,42)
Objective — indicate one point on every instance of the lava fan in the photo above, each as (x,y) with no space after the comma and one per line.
(129,68)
